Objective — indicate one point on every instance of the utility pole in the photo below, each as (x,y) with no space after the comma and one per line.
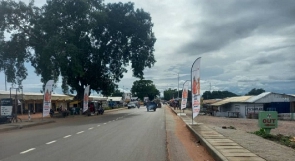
(178,86)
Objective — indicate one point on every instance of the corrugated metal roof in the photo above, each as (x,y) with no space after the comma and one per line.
(115,98)
(231,100)
(34,96)
(97,98)
(255,98)
(211,101)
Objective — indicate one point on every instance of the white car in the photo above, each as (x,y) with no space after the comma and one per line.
(131,105)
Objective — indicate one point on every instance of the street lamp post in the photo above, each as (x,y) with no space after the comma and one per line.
(209,86)
(21,106)
(5,80)
(178,86)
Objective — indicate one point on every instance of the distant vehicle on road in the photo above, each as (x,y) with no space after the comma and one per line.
(151,106)
(133,105)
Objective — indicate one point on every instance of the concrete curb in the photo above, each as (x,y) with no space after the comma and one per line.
(117,109)
(211,150)
(15,127)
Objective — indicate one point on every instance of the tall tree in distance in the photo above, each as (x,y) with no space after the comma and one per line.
(217,94)
(144,88)
(170,94)
(117,93)
(86,42)
(255,92)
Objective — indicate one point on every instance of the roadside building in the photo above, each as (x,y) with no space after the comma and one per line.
(232,107)
(207,106)
(282,103)
(115,101)
(98,99)
(34,101)
(250,106)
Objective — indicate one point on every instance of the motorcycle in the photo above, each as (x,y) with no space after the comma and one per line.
(100,111)
(51,112)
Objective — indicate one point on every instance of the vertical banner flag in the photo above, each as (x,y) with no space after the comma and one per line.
(195,84)
(86,98)
(184,94)
(47,98)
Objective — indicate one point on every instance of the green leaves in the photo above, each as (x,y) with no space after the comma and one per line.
(144,88)
(255,92)
(85,42)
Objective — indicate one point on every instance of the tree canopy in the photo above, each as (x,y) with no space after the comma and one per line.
(86,42)
(217,94)
(144,88)
(255,92)
(117,93)
(173,93)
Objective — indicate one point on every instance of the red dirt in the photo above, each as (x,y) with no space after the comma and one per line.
(196,151)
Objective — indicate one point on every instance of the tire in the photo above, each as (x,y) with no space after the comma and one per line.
(19,120)
(154,109)
(147,110)
(11,120)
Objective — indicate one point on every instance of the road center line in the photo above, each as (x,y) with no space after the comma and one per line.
(90,128)
(51,142)
(67,136)
(80,132)
(27,150)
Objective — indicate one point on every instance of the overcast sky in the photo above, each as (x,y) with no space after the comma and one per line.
(243,44)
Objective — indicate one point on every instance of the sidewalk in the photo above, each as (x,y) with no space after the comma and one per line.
(235,145)
(36,119)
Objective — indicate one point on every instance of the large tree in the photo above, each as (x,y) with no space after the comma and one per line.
(255,92)
(117,93)
(86,42)
(173,93)
(144,88)
(14,49)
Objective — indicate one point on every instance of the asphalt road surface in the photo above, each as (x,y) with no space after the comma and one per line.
(125,135)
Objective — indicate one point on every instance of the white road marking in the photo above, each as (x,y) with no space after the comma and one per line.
(80,132)
(98,125)
(27,150)
(90,128)
(105,123)
(114,120)
(67,136)
(51,142)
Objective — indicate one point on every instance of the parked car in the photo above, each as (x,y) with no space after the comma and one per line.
(131,105)
(151,106)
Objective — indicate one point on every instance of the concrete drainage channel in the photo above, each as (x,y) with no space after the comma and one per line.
(218,146)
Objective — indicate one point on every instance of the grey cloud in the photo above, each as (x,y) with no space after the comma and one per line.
(269,59)
(225,21)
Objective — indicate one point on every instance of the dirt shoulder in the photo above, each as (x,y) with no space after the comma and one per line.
(181,144)
(248,125)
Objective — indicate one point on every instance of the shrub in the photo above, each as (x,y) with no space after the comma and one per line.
(284,140)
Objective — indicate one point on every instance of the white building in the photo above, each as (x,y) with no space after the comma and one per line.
(249,106)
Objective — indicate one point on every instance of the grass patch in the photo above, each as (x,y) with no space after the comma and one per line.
(279,138)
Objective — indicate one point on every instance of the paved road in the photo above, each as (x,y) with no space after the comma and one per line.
(124,135)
